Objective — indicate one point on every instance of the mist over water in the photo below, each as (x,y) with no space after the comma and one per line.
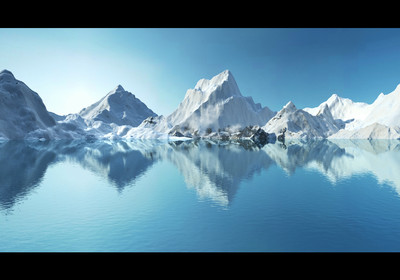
(146,196)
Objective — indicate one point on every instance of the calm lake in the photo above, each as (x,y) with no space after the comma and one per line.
(199,196)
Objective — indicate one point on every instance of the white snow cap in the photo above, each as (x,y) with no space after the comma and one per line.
(216,80)
(223,78)
(290,106)
(118,106)
(333,97)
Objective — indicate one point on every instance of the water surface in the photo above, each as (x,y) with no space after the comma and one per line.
(198,196)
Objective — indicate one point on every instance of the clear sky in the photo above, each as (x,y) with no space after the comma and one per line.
(73,68)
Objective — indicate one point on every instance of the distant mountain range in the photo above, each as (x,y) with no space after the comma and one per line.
(214,108)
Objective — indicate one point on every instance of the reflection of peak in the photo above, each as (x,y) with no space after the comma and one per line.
(215,171)
(121,163)
(22,169)
(299,154)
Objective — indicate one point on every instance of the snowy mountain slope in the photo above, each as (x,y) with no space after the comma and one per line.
(57,117)
(21,109)
(212,104)
(300,124)
(118,106)
(218,103)
(213,108)
(151,128)
(216,90)
(379,120)
(342,108)
(385,110)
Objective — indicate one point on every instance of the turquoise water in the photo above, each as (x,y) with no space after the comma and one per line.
(151,196)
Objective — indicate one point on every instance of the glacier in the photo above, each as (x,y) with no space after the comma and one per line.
(214,109)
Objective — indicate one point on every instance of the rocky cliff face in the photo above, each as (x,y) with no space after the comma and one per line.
(21,109)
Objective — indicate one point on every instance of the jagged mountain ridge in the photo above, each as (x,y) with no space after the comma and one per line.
(342,108)
(212,105)
(217,103)
(379,120)
(300,124)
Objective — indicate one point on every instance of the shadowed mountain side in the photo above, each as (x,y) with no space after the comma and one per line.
(21,109)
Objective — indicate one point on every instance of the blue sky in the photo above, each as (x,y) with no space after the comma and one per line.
(73,68)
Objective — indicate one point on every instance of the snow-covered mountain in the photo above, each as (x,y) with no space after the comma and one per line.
(300,124)
(385,110)
(118,106)
(212,105)
(213,109)
(218,103)
(379,120)
(21,109)
(110,117)
(342,108)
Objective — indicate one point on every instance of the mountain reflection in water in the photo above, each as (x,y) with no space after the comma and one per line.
(214,169)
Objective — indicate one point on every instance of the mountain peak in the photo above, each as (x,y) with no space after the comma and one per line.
(333,97)
(119,107)
(222,77)
(118,91)
(226,73)
(290,106)
(7,73)
(217,80)
(397,89)
(119,88)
